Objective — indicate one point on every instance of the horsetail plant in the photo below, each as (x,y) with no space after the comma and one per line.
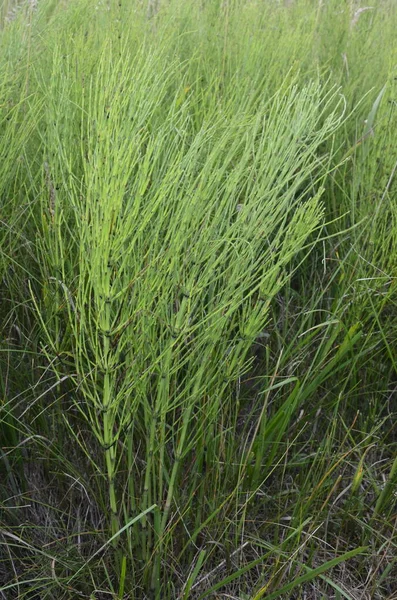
(175,193)
(167,244)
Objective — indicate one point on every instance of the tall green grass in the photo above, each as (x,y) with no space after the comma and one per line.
(198,244)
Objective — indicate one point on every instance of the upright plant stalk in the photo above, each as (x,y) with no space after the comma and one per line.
(108,421)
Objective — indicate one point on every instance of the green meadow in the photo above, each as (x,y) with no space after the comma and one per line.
(198,300)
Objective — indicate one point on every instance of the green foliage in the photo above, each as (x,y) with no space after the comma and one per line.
(197,264)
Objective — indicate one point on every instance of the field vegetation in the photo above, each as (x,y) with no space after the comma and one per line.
(198,324)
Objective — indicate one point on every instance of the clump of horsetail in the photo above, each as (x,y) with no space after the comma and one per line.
(165,243)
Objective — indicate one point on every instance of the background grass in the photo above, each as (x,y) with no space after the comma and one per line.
(198,327)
